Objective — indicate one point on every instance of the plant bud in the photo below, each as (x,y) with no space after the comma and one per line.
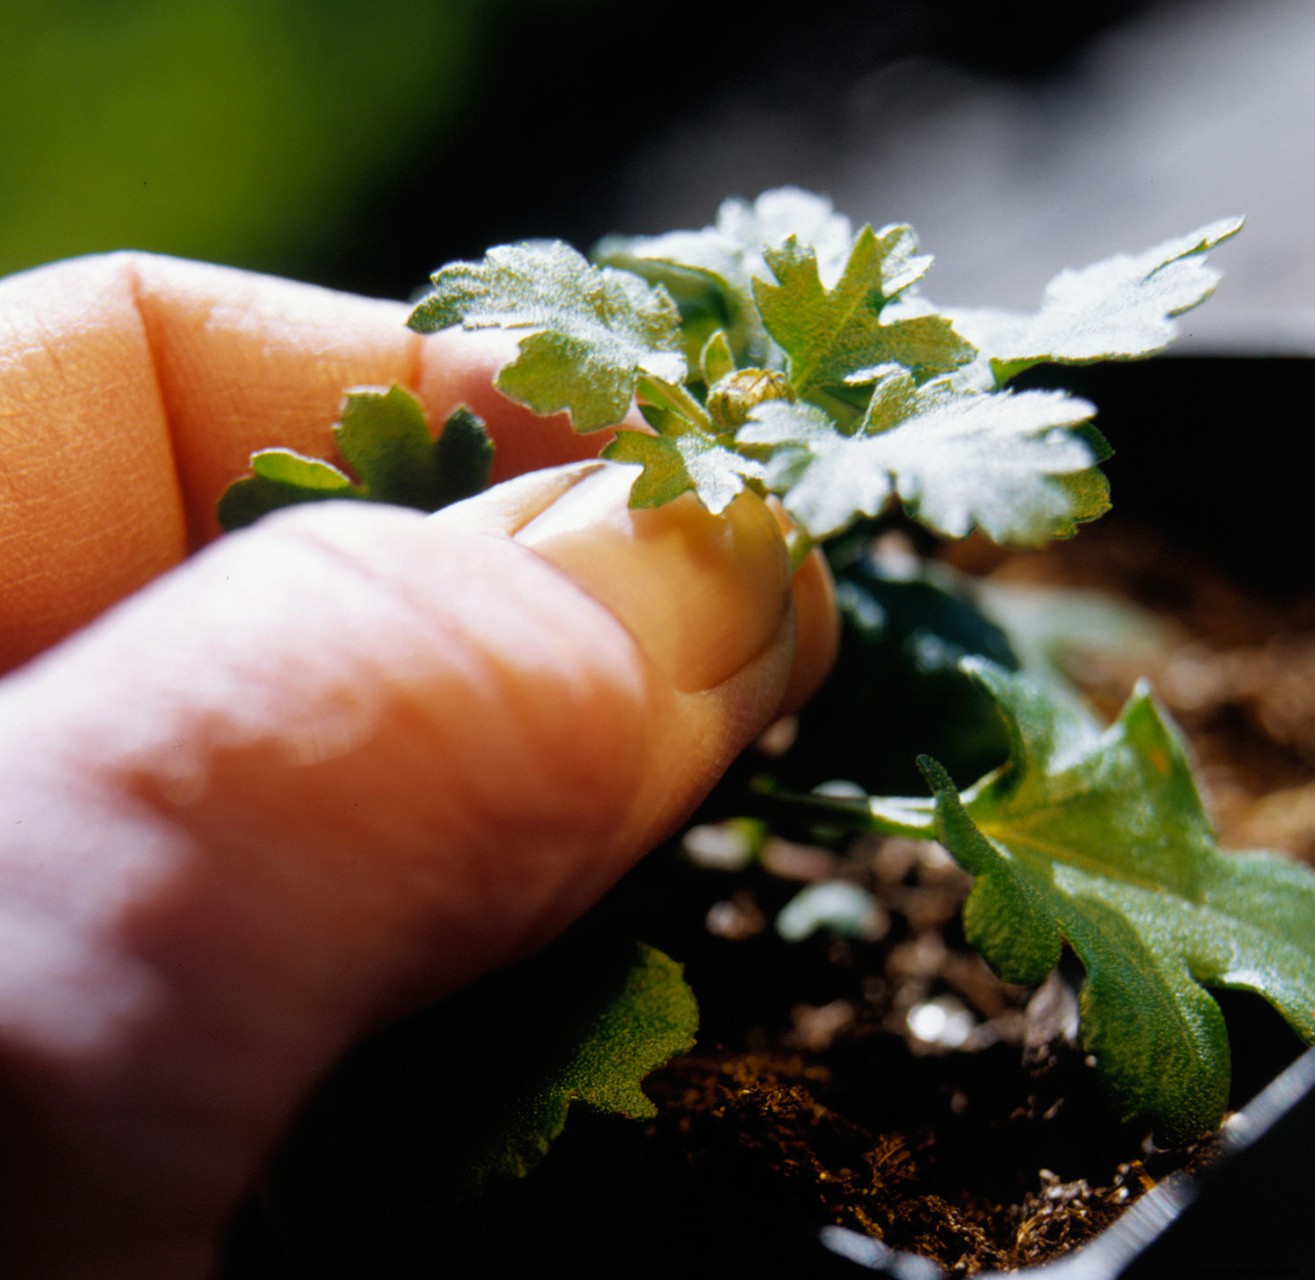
(731,398)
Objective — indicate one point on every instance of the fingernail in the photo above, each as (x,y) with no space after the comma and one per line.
(703,595)
(510,506)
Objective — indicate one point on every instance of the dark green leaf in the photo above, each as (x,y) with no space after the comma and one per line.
(384,438)
(281,478)
(463,459)
(617,1014)
(907,625)
(473,1091)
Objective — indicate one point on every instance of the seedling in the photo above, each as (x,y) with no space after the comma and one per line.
(783,353)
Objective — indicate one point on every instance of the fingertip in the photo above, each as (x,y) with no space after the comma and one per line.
(705,591)
(817,621)
(703,595)
(817,631)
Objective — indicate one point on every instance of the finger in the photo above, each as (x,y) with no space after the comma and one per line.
(816,618)
(89,505)
(134,388)
(247,362)
(346,759)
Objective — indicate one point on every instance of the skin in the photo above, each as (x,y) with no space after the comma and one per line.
(260,799)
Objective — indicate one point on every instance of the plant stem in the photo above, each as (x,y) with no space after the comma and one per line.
(677,399)
(911,816)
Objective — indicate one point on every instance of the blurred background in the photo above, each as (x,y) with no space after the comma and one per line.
(360,144)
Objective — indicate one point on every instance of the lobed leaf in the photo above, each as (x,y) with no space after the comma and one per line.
(383,436)
(682,460)
(829,334)
(474,1090)
(462,460)
(826,479)
(628,1016)
(713,270)
(1019,466)
(1099,839)
(592,332)
(1120,309)
(280,478)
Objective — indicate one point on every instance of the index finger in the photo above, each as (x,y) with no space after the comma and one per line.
(133,388)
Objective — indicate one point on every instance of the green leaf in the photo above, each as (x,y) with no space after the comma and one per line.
(830,334)
(280,478)
(826,479)
(1099,839)
(592,332)
(1018,466)
(384,438)
(906,626)
(679,460)
(462,460)
(713,270)
(610,1015)
(1120,309)
(715,359)
(473,1091)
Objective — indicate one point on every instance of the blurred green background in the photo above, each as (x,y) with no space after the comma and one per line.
(264,133)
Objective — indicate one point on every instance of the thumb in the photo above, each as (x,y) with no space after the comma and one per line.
(327,769)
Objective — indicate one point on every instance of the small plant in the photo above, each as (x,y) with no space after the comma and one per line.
(782,352)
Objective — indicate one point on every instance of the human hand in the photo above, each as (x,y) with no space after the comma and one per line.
(331,768)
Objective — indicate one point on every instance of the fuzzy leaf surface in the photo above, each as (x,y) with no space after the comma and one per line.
(473,1091)
(1019,466)
(1099,838)
(680,459)
(628,1017)
(831,333)
(713,270)
(1120,309)
(592,332)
